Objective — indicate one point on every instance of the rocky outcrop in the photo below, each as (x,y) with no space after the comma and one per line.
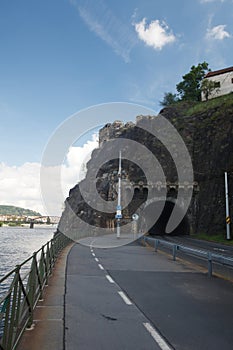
(207,130)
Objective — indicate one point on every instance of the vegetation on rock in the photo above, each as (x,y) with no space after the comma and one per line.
(190,88)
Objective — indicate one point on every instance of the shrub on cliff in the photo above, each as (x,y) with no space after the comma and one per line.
(189,89)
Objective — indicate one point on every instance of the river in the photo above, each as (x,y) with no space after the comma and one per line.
(19,243)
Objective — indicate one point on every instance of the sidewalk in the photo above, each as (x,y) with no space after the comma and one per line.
(47,333)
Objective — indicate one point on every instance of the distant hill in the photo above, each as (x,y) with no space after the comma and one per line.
(12,210)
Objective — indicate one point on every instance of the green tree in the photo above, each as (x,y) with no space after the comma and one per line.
(207,87)
(190,87)
(168,99)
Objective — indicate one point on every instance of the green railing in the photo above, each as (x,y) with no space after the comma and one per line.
(26,282)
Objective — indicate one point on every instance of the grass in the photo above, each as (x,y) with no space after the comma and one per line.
(217,238)
(216,105)
(200,107)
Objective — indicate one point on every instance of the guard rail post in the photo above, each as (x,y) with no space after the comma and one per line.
(209,264)
(174,249)
(31,290)
(156,245)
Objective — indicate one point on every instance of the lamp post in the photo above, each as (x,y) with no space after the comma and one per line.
(118,209)
(228,219)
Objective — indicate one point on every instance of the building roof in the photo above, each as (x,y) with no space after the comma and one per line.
(218,72)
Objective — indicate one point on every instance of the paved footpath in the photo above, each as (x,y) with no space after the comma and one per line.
(133,298)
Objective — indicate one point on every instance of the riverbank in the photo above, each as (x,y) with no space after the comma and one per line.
(27,225)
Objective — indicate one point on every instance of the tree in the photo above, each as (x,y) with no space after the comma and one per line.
(207,87)
(168,99)
(190,87)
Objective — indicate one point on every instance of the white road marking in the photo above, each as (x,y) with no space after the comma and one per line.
(125,298)
(92,242)
(93,254)
(109,278)
(101,267)
(48,319)
(156,336)
(96,259)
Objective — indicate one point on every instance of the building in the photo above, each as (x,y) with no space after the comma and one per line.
(223,80)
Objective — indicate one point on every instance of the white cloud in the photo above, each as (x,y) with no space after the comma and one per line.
(20,185)
(156,34)
(217,32)
(74,169)
(100,20)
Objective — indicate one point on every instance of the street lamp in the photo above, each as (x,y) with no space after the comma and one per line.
(118,215)
(228,219)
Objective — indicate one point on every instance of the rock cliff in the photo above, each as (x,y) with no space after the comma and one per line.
(207,130)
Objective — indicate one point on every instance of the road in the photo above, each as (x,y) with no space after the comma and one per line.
(131,298)
(213,247)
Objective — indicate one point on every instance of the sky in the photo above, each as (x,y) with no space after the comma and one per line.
(59,57)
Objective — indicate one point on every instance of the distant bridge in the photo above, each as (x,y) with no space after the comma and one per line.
(43,218)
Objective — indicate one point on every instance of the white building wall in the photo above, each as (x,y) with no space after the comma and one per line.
(226,85)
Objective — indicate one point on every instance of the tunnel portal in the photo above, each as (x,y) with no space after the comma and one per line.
(159,228)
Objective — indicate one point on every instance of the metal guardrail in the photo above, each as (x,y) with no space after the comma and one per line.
(211,257)
(26,282)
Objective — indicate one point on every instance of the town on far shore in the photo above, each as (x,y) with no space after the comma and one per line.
(16,216)
(28,219)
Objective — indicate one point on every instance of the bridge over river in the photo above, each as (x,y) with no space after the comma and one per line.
(130,298)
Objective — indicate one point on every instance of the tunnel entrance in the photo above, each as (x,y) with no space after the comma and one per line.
(159,227)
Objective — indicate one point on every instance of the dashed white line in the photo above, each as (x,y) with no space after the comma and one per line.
(125,298)
(109,278)
(101,267)
(156,336)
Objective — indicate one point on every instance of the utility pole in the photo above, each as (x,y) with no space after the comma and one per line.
(118,209)
(228,219)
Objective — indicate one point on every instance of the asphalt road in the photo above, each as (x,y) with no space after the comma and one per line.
(213,247)
(131,298)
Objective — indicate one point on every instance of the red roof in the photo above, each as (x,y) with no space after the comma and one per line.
(218,72)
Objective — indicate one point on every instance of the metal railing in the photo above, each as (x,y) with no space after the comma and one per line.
(26,283)
(175,248)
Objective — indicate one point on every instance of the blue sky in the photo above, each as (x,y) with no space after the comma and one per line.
(61,56)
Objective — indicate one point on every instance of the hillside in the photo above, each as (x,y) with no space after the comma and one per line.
(12,210)
(213,107)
